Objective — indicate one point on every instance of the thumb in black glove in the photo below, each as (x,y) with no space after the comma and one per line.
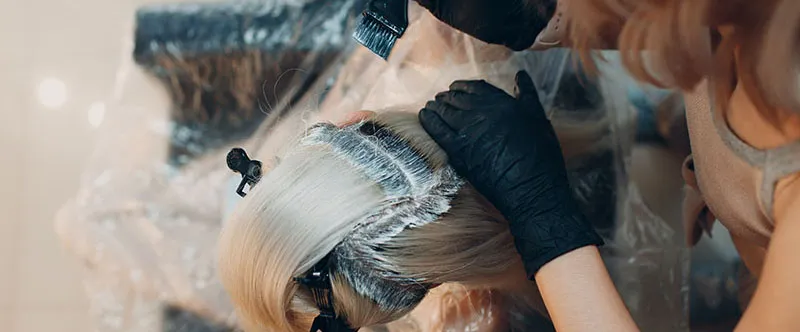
(513,23)
(507,148)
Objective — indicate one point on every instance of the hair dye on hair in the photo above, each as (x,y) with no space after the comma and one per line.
(379,197)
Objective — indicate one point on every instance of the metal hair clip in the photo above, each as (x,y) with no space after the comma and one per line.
(249,169)
(318,282)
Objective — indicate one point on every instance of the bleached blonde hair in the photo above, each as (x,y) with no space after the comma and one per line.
(306,206)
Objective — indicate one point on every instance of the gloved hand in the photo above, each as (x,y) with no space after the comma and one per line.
(506,147)
(513,23)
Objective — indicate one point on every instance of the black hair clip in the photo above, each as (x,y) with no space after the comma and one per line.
(249,169)
(318,281)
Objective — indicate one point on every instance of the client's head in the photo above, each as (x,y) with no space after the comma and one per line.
(378,201)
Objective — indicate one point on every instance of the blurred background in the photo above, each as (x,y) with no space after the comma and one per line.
(58,65)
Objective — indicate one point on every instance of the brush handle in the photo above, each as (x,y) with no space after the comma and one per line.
(391,13)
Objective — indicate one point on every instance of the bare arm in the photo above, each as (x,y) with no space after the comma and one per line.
(776,303)
(580,296)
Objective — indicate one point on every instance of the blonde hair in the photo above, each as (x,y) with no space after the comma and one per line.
(308,204)
(666,43)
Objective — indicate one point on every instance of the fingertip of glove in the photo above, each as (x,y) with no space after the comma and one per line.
(436,107)
(430,105)
(467,86)
(424,114)
(428,118)
(434,125)
(455,99)
(457,85)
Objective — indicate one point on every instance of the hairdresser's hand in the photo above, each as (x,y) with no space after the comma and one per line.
(506,147)
(513,23)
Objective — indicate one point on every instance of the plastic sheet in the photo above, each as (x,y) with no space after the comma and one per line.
(224,62)
(157,190)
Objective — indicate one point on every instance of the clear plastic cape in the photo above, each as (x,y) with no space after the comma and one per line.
(156,192)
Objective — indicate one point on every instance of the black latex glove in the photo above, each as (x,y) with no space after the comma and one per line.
(513,23)
(507,149)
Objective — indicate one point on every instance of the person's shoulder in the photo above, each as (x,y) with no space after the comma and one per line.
(787,199)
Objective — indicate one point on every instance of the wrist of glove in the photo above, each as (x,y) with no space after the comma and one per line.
(506,147)
(513,23)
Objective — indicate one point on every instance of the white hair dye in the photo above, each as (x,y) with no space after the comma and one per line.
(416,194)
(394,219)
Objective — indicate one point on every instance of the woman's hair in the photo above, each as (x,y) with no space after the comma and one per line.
(666,43)
(379,200)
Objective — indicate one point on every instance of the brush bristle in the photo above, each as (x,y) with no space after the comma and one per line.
(375,36)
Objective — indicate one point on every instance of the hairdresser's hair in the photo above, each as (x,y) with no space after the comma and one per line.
(312,202)
(666,43)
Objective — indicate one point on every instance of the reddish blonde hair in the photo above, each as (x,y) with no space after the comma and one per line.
(759,49)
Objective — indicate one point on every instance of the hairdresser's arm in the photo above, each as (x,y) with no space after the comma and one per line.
(776,302)
(506,147)
(580,296)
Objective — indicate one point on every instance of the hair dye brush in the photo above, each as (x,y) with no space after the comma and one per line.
(382,23)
